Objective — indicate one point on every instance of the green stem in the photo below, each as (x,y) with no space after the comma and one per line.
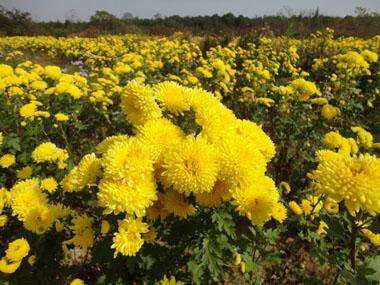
(354,233)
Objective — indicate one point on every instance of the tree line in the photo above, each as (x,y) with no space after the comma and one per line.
(364,24)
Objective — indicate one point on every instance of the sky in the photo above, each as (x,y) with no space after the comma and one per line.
(46,10)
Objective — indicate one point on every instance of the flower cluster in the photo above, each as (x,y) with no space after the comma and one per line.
(156,172)
(347,175)
(14,255)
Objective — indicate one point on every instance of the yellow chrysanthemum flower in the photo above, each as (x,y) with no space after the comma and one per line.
(190,166)
(129,161)
(279,212)
(364,138)
(257,201)
(61,117)
(109,141)
(53,72)
(77,281)
(128,240)
(240,161)
(83,232)
(352,179)
(117,196)
(24,194)
(49,184)
(49,152)
(304,88)
(25,172)
(175,203)
(219,194)
(84,174)
(296,209)
(17,250)
(7,160)
(159,135)
(257,136)
(172,97)
(38,219)
(8,267)
(138,104)
(329,112)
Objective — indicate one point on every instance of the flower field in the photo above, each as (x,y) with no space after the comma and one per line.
(189,160)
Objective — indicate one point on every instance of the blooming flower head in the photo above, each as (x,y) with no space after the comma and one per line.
(26,193)
(257,136)
(369,56)
(335,141)
(190,166)
(53,72)
(84,174)
(257,201)
(109,141)
(25,172)
(7,266)
(49,152)
(118,196)
(329,112)
(172,97)
(138,104)
(30,111)
(128,239)
(304,88)
(128,160)
(353,180)
(176,204)
(77,281)
(17,250)
(296,209)
(7,160)
(5,70)
(83,231)
(49,184)
(219,194)
(363,137)
(240,161)
(38,219)
(159,135)
(61,117)
(279,212)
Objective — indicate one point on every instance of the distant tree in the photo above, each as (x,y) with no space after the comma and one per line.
(157,16)
(15,22)
(107,22)
(127,16)
(71,16)
(228,19)
(362,12)
(102,17)
(286,11)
